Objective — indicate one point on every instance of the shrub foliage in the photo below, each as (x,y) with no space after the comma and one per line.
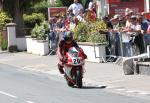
(4,19)
(40,31)
(90,32)
(31,19)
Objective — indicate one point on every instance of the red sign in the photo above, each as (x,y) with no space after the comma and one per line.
(113,1)
(57,11)
(119,8)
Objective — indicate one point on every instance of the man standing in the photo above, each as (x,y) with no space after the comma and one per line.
(75,8)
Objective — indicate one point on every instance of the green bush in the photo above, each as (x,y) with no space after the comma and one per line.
(3,42)
(90,32)
(40,31)
(80,32)
(97,38)
(30,20)
(4,18)
(64,2)
(40,7)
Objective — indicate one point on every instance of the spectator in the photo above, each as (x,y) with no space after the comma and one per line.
(147,36)
(115,23)
(128,11)
(132,32)
(91,12)
(80,17)
(75,8)
(135,36)
(60,27)
(139,38)
(67,22)
(126,47)
(145,30)
(107,22)
(115,38)
(73,23)
(108,35)
(128,14)
(53,37)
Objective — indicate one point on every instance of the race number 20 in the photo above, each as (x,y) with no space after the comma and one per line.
(76,61)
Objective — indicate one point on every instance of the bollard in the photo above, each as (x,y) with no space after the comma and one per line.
(128,67)
(11,33)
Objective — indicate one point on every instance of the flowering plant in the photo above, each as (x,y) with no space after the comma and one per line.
(90,32)
(40,31)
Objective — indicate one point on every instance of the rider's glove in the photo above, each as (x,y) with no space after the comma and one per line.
(85,56)
(64,60)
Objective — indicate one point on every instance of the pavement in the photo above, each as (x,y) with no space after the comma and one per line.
(107,74)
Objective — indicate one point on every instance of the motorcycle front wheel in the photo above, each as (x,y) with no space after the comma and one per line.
(79,78)
(69,83)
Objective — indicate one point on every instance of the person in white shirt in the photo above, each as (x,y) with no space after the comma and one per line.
(75,8)
(80,17)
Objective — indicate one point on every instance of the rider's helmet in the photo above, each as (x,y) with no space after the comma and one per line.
(68,36)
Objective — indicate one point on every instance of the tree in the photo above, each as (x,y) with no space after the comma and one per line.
(1,4)
(16,9)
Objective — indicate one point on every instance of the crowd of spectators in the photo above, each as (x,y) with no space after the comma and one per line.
(59,24)
(127,35)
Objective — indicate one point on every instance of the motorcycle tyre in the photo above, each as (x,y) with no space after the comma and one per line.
(79,78)
(70,84)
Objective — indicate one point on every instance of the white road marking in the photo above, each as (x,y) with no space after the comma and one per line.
(110,87)
(144,93)
(130,91)
(29,102)
(7,94)
(120,89)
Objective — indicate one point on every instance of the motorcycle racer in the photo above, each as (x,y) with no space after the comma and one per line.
(63,47)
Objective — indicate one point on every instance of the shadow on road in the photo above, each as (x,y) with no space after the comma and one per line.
(93,87)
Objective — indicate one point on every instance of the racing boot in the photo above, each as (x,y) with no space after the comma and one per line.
(60,68)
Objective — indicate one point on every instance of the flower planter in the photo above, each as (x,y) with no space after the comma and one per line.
(35,46)
(95,52)
(29,44)
(42,47)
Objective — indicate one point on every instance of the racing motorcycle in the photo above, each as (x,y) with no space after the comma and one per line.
(73,68)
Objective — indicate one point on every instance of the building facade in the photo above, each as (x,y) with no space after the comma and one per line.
(112,7)
(118,6)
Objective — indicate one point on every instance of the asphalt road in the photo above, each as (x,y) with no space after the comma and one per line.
(20,86)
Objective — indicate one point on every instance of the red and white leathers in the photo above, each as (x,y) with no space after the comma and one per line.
(63,47)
